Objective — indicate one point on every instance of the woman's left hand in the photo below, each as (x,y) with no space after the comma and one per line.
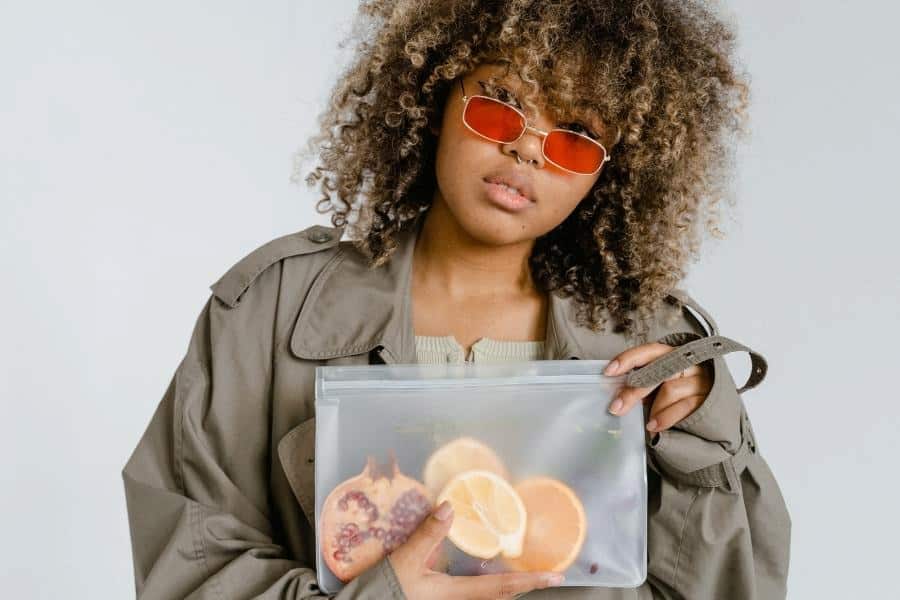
(675,398)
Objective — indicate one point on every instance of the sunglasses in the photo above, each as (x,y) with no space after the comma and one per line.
(503,123)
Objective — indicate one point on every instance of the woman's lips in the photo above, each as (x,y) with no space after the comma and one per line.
(505,198)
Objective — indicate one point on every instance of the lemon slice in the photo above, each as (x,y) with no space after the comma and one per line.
(461,454)
(489,516)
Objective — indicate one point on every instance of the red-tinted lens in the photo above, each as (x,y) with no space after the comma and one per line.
(573,152)
(493,119)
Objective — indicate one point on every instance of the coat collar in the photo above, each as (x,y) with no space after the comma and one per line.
(353,309)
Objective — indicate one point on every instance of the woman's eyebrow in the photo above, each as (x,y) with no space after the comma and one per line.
(506,85)
(502,81)
(498,82)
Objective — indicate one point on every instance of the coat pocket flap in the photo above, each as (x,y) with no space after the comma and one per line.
(297,452)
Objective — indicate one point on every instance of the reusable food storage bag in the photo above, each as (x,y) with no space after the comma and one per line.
(540,474)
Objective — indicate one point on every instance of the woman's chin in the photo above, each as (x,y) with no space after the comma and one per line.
(497,230)
(488,224)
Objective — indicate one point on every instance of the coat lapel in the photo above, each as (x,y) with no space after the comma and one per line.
(352,309)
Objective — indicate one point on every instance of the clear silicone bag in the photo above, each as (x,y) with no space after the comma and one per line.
(391,438)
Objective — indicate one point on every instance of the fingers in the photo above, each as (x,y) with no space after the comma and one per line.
(429,534)
(636,357)
(675,400)
(689,372)
(633,357)
(626,398)
(421,547)
(669,392)
(502,585)
(436,555)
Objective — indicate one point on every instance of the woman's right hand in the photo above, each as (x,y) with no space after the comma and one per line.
(413,559)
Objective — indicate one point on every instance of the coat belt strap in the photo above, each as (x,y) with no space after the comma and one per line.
(692,353)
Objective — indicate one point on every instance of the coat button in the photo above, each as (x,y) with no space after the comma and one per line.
(318,236)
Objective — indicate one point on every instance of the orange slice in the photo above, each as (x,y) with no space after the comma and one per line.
(489,518)
(462,454)
(556,526)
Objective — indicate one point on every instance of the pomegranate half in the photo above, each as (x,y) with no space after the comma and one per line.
(368,516)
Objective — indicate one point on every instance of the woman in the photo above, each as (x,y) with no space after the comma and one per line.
(607,119)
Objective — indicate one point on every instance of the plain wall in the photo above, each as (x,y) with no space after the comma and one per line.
(147,147)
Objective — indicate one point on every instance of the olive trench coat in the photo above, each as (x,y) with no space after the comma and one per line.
(220,488)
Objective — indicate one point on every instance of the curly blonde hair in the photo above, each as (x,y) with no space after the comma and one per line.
(659,74)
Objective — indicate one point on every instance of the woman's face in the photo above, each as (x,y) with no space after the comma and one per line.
(465,161)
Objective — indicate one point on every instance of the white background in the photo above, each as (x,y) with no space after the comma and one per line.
(146,147)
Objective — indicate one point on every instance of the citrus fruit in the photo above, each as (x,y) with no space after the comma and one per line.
(556,526)
(462,454)
(489,518)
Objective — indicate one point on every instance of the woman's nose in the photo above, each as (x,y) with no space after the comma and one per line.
(527,148)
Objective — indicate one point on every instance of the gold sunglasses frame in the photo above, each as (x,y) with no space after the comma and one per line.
(535,130)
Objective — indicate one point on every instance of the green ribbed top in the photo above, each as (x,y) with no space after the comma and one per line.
(431,349)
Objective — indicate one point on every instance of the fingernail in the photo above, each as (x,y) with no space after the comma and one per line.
(616,406)
(651,425)
(443,511)
(611,367)
(554,579)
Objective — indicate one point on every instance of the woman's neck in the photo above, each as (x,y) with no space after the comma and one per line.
(470,290)
(449,261)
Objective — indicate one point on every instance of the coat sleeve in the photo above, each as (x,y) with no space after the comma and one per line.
(718,524)
(196,484)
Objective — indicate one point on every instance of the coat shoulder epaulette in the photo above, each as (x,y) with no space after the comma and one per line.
(681,297)
(238,278)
